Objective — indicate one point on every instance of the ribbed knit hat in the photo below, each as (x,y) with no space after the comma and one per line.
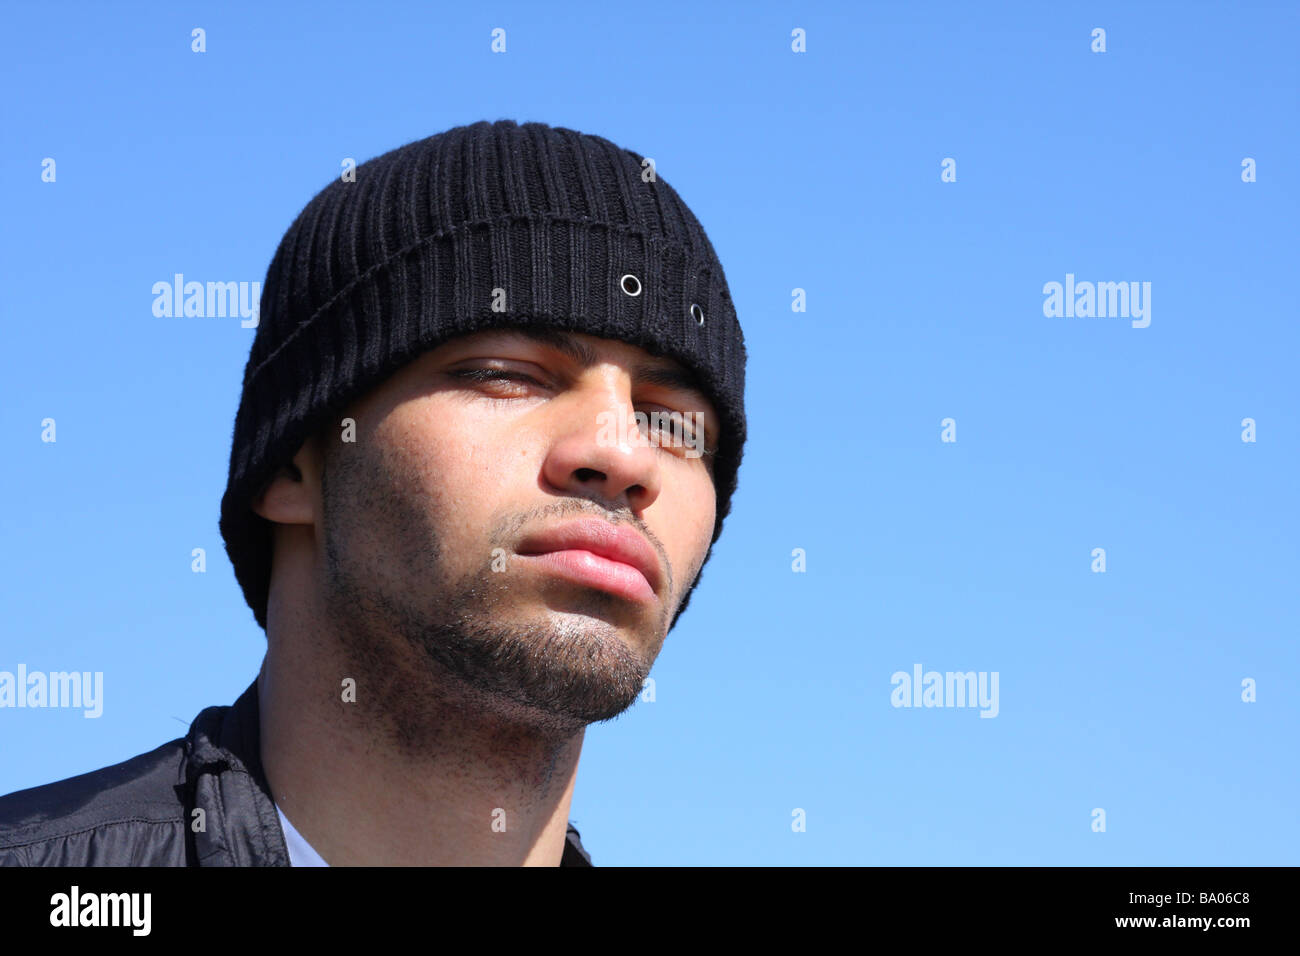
(374,272)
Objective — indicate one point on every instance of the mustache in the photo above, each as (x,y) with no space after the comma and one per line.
(509,530)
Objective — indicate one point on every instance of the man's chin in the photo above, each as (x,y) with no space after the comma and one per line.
(598,607)
(558,667)
(615,637)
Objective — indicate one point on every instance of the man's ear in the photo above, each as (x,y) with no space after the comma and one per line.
(290,496)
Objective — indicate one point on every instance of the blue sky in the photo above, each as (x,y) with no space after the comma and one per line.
(819,171)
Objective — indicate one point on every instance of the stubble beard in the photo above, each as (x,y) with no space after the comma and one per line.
(441,652)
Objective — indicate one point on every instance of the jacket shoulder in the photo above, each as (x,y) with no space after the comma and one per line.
(118,815)
(575,854)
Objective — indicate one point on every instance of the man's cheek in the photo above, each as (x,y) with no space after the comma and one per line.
(432,465)
(485,478)
(508,458)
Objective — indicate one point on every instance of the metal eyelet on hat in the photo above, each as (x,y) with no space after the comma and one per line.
(631,284)
(698,313)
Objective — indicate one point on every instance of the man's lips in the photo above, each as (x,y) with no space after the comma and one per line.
(611,557)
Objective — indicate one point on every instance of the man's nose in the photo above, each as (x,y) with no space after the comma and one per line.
(596,450)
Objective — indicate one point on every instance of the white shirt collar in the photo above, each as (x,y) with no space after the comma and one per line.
(300,851)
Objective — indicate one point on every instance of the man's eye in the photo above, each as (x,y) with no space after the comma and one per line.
(493,375)
(668,422)
(677,426)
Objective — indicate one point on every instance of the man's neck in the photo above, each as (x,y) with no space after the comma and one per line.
(442,783)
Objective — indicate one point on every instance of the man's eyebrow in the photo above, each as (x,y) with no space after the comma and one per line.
(667,376)
(579,351)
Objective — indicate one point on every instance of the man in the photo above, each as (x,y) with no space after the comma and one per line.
(490,427)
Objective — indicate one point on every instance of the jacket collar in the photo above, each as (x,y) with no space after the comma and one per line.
(225,779)
(238,825)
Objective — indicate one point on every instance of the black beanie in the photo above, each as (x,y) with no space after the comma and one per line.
(374,272)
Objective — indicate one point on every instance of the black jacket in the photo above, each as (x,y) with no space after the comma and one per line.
(139,812)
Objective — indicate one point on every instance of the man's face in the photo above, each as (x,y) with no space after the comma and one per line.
(436,537)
